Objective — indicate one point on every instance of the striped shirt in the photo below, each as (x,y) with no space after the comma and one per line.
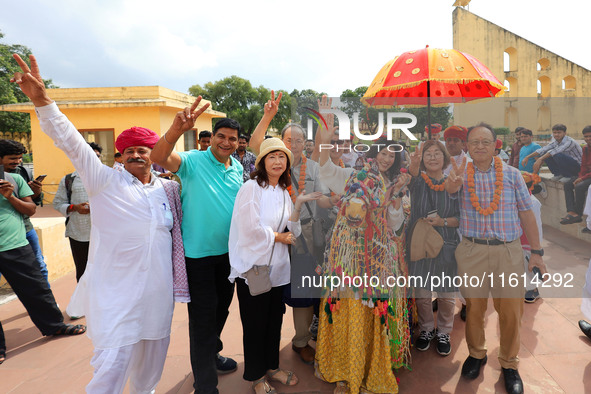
(567,146)
(504,223)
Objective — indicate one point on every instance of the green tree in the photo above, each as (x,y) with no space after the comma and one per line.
(241,101)
(10,92)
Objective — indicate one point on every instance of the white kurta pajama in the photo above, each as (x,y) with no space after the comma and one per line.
(126,291)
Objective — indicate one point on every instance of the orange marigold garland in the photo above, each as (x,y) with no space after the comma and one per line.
(301,181)
(494,205)
(437,188)
(532,178)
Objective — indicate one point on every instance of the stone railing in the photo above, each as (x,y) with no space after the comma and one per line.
(554,209)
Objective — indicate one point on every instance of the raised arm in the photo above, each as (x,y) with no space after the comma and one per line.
(163,153)
(56,125)
(415,162)
(270,110)
(323,103)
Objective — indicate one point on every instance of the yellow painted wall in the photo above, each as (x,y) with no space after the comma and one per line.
(521,106)
(116,108)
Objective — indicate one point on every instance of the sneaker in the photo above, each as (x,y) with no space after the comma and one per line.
(531,296)
(314,327)
(443,344)
(225,365)
(424,340)
(586,230)
(556,178)
(543,192)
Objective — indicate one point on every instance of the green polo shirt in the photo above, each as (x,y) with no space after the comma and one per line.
(12,226)
(207,196)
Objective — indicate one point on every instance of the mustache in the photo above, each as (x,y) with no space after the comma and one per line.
(132,160)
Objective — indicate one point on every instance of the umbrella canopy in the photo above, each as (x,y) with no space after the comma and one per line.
(432,76)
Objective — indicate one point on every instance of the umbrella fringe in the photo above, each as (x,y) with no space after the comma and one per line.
(459,81)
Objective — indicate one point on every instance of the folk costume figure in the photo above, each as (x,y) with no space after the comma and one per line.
(364,329)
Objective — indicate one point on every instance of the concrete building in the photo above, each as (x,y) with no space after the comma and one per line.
(544,88)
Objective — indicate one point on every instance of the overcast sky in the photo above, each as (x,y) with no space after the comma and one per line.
(327,46)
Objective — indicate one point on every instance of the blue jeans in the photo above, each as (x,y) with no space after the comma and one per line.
(34,242)
(563,165)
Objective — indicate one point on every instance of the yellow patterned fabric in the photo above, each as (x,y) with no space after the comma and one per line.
(363,332)
(355,348)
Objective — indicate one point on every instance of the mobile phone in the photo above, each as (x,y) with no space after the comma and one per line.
(1,171)
(40,178)
(432,213)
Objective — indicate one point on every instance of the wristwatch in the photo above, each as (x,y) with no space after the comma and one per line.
(400,194)
(538,251)
(444,222)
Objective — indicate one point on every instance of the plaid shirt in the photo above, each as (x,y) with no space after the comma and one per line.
(504,223)
(568,146)
(247,163)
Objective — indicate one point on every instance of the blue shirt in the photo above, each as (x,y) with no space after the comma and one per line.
(207,197)
(527,150)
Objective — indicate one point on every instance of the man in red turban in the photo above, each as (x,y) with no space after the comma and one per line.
(455,143)
(435,131)
(136,270)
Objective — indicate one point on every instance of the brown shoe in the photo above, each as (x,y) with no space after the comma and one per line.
(307,353)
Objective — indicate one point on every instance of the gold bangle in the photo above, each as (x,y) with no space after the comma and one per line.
(165,139)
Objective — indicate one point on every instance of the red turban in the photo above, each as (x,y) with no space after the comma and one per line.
(435,128)
(136,136)
(499,144)
(456,132)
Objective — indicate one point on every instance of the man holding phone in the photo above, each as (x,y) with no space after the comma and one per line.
(11,157)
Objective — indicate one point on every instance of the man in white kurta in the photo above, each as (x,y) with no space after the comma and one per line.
(126,291)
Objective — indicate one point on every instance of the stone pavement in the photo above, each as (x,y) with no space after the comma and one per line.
(555,355)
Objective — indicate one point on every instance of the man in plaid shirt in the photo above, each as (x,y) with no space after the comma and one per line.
(562,156)
(494,206)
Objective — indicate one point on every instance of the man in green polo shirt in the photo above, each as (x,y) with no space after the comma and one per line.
(18,263)
(210,180)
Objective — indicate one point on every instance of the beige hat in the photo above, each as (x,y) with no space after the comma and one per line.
(425,241)
(270,145)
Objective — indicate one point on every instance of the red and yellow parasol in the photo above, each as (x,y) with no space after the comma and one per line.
(432,76)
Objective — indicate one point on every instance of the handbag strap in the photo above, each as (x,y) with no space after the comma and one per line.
(278,228)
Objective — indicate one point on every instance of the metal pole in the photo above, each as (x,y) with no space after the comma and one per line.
(429,107)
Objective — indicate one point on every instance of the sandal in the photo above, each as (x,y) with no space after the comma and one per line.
(570,219)
(288,382)
(341,388)
(2,356)
(70,329)
(268,388)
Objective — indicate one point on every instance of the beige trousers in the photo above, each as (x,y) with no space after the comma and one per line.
(493,266)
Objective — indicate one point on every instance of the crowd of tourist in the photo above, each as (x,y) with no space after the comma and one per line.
(263,221)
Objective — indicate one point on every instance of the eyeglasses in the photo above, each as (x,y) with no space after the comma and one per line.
(485,143)
(437,155)
(337,142)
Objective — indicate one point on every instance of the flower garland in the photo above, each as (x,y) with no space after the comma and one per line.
(531,177)
(301,181)
(429,182)
(494,205)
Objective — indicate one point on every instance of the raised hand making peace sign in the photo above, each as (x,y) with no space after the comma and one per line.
(30,81)
(456,176)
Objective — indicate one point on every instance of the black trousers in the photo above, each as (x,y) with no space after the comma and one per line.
(2,341)
(21,270)
(211,294)
(80,256)
(262,317)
